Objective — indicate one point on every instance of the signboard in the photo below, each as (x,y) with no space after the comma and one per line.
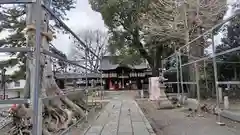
(132,74)
(124,76)
(106,75)
(137,74)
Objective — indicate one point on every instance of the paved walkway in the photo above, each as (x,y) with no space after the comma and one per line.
(121,116)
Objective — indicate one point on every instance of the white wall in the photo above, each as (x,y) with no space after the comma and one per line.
(14,85)
(10,94)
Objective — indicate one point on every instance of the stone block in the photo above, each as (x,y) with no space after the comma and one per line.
(110,129)
(95,129)
(91,134)
(136,118)
(125,128)
(125,133)
(139,127)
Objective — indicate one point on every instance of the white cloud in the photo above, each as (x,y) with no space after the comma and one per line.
(80,18)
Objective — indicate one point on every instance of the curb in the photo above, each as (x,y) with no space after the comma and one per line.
(146,122)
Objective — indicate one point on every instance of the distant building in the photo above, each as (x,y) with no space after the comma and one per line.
(119,76)
(13,89)
(115,76)
(67,79)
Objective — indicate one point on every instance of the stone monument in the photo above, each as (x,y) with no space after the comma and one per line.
(163,101)
(157,92)
(154,90)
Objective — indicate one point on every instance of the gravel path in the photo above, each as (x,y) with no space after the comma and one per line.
(175,122)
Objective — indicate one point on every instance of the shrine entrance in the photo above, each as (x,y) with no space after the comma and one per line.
(123,77)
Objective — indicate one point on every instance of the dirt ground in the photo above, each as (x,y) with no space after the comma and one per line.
(176,122)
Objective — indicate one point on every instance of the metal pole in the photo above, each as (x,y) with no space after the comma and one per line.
(216,79)
(181,74)
(177,65)
(122,80)
(197,83)
(102,87)
(4,82)
(86,78)
(70,31)
(37,15)
(86,56)
(212,29)
(205,74)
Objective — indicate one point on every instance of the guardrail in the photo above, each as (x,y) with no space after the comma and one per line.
(194,61)
(36,16)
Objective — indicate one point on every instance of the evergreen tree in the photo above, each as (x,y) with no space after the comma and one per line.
(229,71)
(13,20)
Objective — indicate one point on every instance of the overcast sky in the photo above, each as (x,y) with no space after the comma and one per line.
(80,18)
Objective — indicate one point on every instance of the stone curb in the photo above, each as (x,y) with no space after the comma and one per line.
(231,115)
(146,122)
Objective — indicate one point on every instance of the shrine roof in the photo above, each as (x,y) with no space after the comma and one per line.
(76,75)
(108,64)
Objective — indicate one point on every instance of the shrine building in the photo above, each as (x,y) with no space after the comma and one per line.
(118,76)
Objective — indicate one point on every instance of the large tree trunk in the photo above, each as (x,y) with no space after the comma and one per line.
(196,50)
(157,61)
(60,112)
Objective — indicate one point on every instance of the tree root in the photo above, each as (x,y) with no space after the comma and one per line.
(73,106)
(56,117)
(59,113)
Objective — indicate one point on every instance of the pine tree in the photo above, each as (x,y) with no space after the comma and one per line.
(13,20)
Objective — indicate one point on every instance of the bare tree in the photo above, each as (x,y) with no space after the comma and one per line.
(168,21)
(96,40)
(181,19)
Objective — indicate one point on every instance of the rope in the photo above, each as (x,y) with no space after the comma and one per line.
(49,35)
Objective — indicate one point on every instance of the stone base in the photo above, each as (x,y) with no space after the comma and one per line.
(162,104)
(182,99)
(165,104)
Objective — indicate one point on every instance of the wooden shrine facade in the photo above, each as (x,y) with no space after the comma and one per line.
(117,76)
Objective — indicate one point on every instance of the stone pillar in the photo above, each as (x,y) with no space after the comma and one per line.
(226,102)
(142,95)
(142,92)
(220,94)
(163,102)
(154,91)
